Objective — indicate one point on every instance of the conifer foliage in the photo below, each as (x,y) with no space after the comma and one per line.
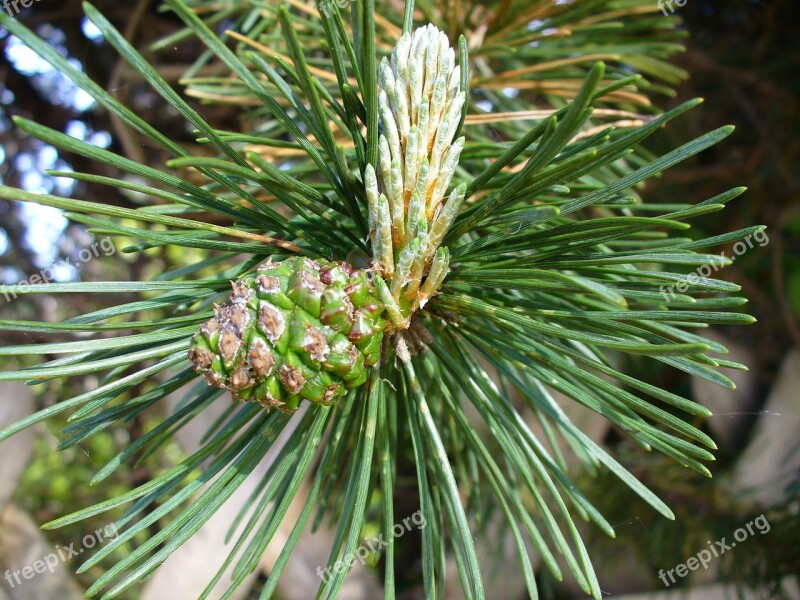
(436,220)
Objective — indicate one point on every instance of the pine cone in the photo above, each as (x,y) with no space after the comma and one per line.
(309,329)
(295,329)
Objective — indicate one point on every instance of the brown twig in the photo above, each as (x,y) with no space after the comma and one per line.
(130,147)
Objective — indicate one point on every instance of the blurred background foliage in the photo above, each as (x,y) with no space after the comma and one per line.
(743,57)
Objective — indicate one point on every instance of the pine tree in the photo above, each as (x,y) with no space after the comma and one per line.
(420,256)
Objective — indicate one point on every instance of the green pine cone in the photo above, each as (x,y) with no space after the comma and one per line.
(294,329)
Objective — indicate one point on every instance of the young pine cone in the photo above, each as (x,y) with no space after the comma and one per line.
(295,329)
